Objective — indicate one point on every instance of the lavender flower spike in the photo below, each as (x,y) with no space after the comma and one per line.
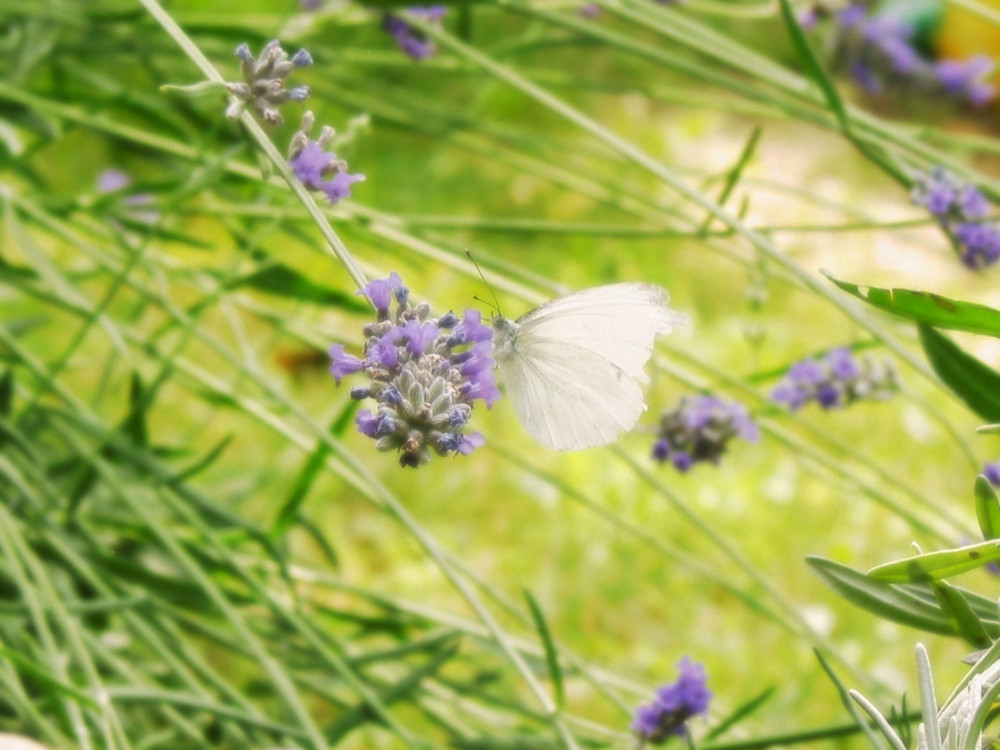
(699,429)
(263,84)
(880,54)
(835,380)
(317,168)
(410,40)
(673,705)
(960,210)
(424,380)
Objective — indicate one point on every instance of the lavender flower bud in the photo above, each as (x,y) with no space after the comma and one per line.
(673,705)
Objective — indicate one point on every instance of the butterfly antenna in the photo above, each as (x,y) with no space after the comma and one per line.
(496,302)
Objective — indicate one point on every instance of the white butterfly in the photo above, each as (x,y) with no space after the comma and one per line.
(572,367)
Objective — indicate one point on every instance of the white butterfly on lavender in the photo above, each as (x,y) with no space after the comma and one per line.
(573,367)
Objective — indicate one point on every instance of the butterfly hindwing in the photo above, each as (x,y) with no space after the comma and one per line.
(562,410)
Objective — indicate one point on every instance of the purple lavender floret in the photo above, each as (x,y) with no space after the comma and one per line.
(317,168)
(835,380)
(410,40)
(312,165)
(673,705)
(960,209)
(879,53)
(424,380)
(699,429)
(965,78)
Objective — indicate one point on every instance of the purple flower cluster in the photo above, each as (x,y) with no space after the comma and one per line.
(424,374)
(263,84)
(879,51)
(317,168)
(699,428)
(409,39)
(960,209)
(674,704)
(835,380)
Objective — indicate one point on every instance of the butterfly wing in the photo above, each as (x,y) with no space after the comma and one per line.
(617,322)
(572,367)
(562,409)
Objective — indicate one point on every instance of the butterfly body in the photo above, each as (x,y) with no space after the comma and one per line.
(573,367)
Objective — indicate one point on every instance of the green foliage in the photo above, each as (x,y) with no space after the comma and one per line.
(928,309)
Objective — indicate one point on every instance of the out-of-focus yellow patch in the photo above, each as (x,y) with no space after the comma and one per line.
(965,33)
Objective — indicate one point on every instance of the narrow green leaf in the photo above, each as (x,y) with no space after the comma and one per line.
(344,419)
(972,381)
(957,609)
(934,566)
(845,699)
(134,425)
(880,598)
(322,542)
(924,307)
(45,677)
(741,712)
(202,463)
(551,654)
(285,281)
(733,178)
(6,393)
(6,403)
(987,508)
(988,429)
(290,508)
(362,713)
(813,66)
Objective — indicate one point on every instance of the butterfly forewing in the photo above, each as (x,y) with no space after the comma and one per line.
(618,322)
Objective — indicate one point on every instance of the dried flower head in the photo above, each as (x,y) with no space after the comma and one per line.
(410,40)
(424,373)
(960,210)
(673,705)
(263,85)
(699,428)
(834,380)
(317,168)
